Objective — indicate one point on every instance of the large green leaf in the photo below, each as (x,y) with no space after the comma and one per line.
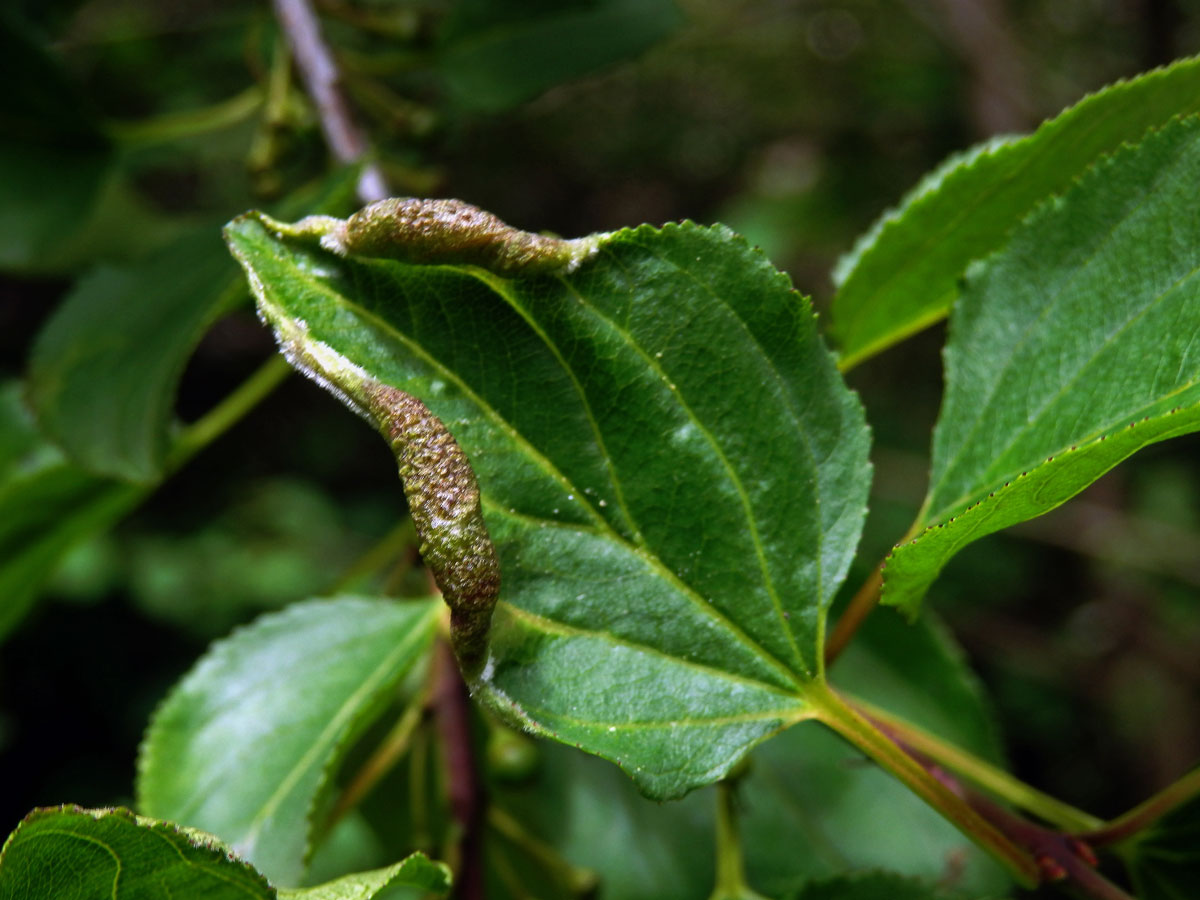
(1164,859)
(47,506)
(903,275)
(68,853)
(498,53)
(672,471)
(245,745)
(104,369)
(1070,350)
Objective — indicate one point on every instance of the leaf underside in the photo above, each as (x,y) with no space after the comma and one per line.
(672,471)
(903,275)
(1071,349)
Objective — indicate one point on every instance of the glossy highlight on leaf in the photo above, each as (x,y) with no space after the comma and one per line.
(671,469)
(1071,349)
(246,745)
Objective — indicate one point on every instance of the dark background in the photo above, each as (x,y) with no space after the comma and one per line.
(794,122)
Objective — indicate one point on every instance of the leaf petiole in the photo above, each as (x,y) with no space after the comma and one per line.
(980,772)
(840,716)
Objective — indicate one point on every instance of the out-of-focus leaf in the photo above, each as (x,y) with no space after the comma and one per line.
(594,817)
(671,468)
(246,744)
(814,808)
(281,541)
(499,53)
(69,853)
(873,886)
(104,369)
(903,275)
(1164,859)
(52,151)
(47,506)
(1071,349)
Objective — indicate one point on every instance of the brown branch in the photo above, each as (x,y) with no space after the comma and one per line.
(1185,790)
(853,616)
(1063,858)
(452,708)
(322,80)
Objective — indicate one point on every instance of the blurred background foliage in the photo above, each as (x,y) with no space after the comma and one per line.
(127,125)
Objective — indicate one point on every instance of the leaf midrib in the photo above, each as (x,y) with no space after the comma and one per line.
(539,459)
(345,711)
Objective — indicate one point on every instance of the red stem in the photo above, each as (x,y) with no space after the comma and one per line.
(452,707)
(1063,858)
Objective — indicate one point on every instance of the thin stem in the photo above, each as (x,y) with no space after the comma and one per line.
(852,617)
(578,881)
(173,126)
(731,871)
(862,603)
(322,79)
(452,707)
(377,556)
(842,718)
(389,752)
(1145,813)
(978,771)
(195,437)
(1060,857)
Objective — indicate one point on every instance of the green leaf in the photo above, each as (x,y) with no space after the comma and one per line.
(1164,859)
(70,853)
(672,471)
(416,871)
(872,886)
(903,275)
(1071,349)
(246,744)
(104,369)
(594,817)
(498,53)
(808,789)
(47,506)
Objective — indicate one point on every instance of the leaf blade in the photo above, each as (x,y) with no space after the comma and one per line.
(903,275)
(1070,350)
(306,681)
(104,369)
(680,336)
(69,853)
